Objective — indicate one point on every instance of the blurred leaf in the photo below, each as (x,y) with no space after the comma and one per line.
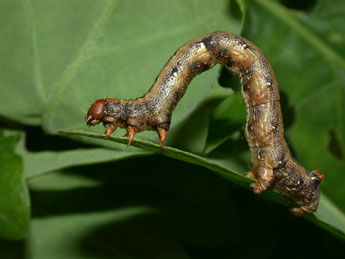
(226,120)
(124,233)
(22,96)
(120,210)
(192,133)
(37,163)
(332,218)
(14,197)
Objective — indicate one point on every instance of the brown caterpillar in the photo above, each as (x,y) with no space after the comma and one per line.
(271,160)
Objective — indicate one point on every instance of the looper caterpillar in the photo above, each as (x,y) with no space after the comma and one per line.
(271,160)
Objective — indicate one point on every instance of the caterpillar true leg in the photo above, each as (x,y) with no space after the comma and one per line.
(109,129)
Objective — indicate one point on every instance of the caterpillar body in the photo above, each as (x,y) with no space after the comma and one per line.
(271,160)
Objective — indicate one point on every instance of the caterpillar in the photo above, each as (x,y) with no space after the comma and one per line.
(271,164)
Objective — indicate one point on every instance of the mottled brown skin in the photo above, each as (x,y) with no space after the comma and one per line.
(271,160)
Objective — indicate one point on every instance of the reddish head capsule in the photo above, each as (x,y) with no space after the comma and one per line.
(95,113)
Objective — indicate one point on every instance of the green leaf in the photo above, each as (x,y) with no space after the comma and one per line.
(107,48)
(193,132)
(223,123)
(123,211)
(328,215)
(133,231)
(40,162)
(22,96)
(154,207)
(14,197)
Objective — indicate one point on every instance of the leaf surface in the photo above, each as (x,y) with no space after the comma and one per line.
(36,163)
(14,196)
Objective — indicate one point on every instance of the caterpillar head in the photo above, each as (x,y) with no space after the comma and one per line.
(96,113)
